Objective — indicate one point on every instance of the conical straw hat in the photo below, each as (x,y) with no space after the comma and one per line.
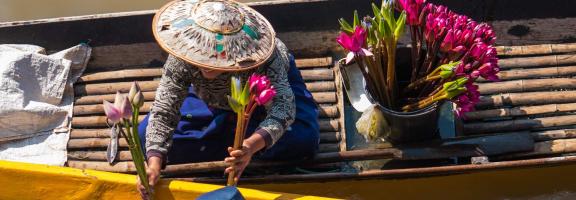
(214,34)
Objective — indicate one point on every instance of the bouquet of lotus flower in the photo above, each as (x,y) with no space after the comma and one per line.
(123,115)
(449,52)
(243,100)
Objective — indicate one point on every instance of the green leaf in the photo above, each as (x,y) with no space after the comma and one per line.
(245,96)
(376,10)
(400,24)
(388,15)
(233,104)
(345,26)
(381,28)
(387,32)
(356,19)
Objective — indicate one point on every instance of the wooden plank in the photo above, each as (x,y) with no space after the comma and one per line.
(330,137)
(538,49)
(530,85)
(97,99)
(98,109)
(328,112)
(521,111)
(92,121)
(325,97)
(537,61)
(121,74)
(325,148)
(314,62)
(317,75)
(89,133)
(98,155)
(535,73)
(519,124)
(321,86)
(528,98)
(111,88)
(89,143)
(329,125)
(119,167)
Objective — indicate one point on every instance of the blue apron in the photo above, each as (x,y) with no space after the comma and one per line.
(204,133)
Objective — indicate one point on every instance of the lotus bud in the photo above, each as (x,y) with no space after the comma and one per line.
(112,112)
(125,108)
(138,100)
(133,90)
(118,99)
(266,96)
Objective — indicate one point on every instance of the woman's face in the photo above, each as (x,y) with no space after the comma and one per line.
(210,73)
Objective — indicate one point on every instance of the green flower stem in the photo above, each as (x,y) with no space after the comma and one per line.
(426,102)
(135,150)
(138,151)
(434,75)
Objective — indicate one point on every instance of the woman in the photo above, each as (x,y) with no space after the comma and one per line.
(190,121)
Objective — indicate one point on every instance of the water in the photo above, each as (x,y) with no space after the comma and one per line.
(556,183)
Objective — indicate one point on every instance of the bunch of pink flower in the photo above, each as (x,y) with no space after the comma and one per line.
(450,37)
(449,53)
(262,89)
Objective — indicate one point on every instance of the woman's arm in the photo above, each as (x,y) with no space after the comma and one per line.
(165,112)
(282,110)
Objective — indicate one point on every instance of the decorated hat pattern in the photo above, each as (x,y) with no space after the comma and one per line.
(215,34)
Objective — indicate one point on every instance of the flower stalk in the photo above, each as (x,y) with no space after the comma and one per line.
(124,114)
(243,100)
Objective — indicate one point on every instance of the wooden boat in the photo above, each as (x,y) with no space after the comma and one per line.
(50,182)
(524,121)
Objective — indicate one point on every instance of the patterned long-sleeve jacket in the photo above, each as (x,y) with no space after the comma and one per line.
(178,76)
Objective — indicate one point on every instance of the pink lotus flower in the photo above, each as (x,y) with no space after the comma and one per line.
(467,101)
(121,108)
(355,43)
(112,113)
(413,9)
(266,96)
(258,83)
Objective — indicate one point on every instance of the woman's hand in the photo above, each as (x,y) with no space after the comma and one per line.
(153,172)
(239,159)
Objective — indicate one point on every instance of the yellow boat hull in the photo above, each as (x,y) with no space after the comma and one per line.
(21,181)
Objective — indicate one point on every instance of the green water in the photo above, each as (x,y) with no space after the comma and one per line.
(528,184)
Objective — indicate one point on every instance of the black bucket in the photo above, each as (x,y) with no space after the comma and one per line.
(415,126)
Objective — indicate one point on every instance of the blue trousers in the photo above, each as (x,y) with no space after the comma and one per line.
(204,133)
